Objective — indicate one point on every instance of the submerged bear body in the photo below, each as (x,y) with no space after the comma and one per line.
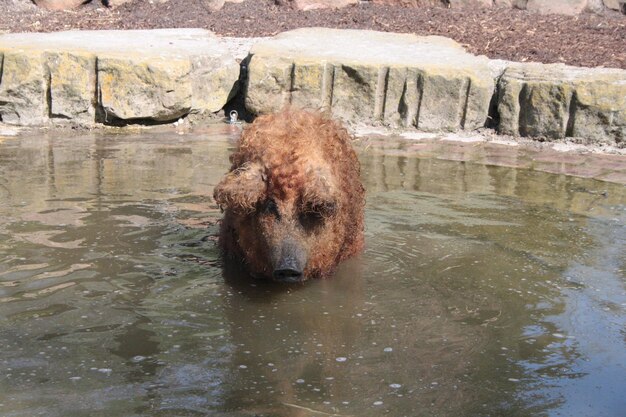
(293,200)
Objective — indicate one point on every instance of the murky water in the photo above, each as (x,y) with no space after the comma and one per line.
(483,291)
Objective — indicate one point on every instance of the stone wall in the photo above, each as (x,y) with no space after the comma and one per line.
(113,77)
(557,101)
(432,84)
(364,77)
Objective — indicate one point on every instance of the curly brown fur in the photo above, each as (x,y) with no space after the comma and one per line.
(294,178)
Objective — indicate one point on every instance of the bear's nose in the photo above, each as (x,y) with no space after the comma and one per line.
(288,275)
(290,262)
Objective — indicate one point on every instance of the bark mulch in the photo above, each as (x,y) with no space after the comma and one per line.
(584,40)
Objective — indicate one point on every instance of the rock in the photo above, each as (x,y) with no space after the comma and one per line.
(157,75)
(72,90)
(612,4)
(321,4)
(213,5)
(557,101)
(145,89)
(568,7)
(117,3)
(399,80)
(214,81)
(59,4)
(23,88)
(20,4)
(408,3)
(595,6)
(470,3)
(37,86)
(618,5)
(516,4)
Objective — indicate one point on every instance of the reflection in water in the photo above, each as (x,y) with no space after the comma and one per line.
(483,290)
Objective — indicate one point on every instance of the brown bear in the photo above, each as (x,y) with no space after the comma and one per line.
(293,199)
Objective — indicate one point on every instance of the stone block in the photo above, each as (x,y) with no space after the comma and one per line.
(214,81)
(470,3)
(117,3)
(59,4)
(408,3)
(569,7)
(441,106)
(612,4)
(599,110)
(355,95)
(24,88)
(556,101)
(108,76)
(269,84)
(404,94)
(306,5)
(308,80)
(398,80)
(130,88)
(72,89)
(544,109)
(213,5)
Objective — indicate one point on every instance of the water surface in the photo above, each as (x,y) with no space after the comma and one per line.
(483,291)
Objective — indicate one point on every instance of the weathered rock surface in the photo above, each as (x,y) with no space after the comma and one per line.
(72,89)
(557,101)
(112,76)
(571,7)
(59,4)
(321,4)
(407,3)
(399,80)
(375,78)
(470,3)
(612,4)
(23,88)
(214,5)
(117,3)
(432,84)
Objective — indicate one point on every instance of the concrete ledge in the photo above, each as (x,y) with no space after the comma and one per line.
(558,101)
(375,78)
(113,76)
(400,80)
(432,84)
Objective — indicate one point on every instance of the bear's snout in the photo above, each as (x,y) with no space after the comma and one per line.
(290,262)
(293,199)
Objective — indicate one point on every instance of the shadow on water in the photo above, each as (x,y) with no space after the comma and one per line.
(482,290)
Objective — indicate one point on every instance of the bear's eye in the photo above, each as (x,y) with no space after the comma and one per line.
(314,214)
(270,208)
(311,219)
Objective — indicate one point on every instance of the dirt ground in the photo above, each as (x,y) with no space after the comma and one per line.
(585,40)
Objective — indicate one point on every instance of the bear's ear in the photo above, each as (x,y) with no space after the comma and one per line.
(241,189)
(319,194)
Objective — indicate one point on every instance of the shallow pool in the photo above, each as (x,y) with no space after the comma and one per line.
(483,291)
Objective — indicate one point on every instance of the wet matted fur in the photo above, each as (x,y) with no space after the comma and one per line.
(294,179)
